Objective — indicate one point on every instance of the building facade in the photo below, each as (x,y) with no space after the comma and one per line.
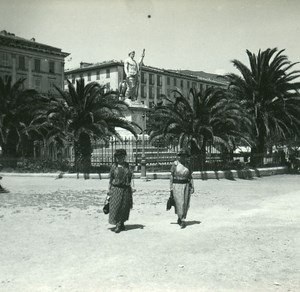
(153,81)
(41,65)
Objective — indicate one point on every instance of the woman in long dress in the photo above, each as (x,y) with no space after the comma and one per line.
(120,191)
(181,185)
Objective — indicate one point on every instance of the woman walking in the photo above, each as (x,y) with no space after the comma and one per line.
(181,185)
(120,191)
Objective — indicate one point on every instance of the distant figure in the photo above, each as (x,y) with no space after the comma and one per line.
(120,191)
(132,69)
(181,185)
(2,189)
(294,161)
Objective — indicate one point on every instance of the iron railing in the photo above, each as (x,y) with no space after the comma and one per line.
(159,157)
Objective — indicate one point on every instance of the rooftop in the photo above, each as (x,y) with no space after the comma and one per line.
(11,40)
(197,75)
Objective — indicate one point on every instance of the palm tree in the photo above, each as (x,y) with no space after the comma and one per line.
(84,113)
(269,94)
(211,118)
(17,107)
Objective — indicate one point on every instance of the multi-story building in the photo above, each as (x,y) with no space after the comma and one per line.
(41,65)
(153,81)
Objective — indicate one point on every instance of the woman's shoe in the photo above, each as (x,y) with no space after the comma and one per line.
(179,221)
(118,228)
(182,225)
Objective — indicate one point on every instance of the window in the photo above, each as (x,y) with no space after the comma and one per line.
(5,59)
(89,76)
(159,83)
(37,65)
(144,78)
(25,83)
(143,89)
(201,87)
(193,85)
(158,91)
(188,85)
(51,67)
(107,73)
(168,80)
(22,62)
(98,75)
(37,84)
(51,83)
(151,92)
(73,79)
(151,79)
(107,86)
(175,82)
(181,83)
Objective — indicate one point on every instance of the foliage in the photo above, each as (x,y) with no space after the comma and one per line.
(211,117)
(17,109)
(270,95)
(81,114)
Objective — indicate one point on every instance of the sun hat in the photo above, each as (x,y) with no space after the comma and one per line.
(120,152)
(183,152)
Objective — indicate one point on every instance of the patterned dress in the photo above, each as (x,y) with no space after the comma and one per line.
(120,193)
(182,185)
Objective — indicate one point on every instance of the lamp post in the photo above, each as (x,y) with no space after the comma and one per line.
(143,160)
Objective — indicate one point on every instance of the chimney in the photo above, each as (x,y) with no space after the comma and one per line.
(85,64)
(32,39)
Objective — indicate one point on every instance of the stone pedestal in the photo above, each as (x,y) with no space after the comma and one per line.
(137,113)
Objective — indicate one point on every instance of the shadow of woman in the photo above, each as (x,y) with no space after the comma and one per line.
(129,227)
(188,223)
(134,226)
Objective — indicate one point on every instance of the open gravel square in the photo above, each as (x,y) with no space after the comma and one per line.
(241,235)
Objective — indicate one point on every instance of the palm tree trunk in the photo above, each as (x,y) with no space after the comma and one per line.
(83,153)
(198,157)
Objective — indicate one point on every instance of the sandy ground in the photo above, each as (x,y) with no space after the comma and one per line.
(242,235)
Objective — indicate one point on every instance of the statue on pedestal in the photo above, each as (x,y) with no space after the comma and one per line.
(130,86)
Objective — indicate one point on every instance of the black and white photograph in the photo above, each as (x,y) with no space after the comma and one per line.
(149,146)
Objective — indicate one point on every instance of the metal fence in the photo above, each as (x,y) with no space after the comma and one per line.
(158,156)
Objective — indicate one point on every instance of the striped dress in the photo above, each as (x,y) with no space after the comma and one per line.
(182,183)
(120,193)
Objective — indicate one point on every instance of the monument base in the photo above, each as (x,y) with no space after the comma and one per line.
(137,113)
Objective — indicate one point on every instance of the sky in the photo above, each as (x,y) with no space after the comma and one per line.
(200,35)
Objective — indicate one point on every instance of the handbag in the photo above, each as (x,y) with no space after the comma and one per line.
(170,202)
(106,206)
